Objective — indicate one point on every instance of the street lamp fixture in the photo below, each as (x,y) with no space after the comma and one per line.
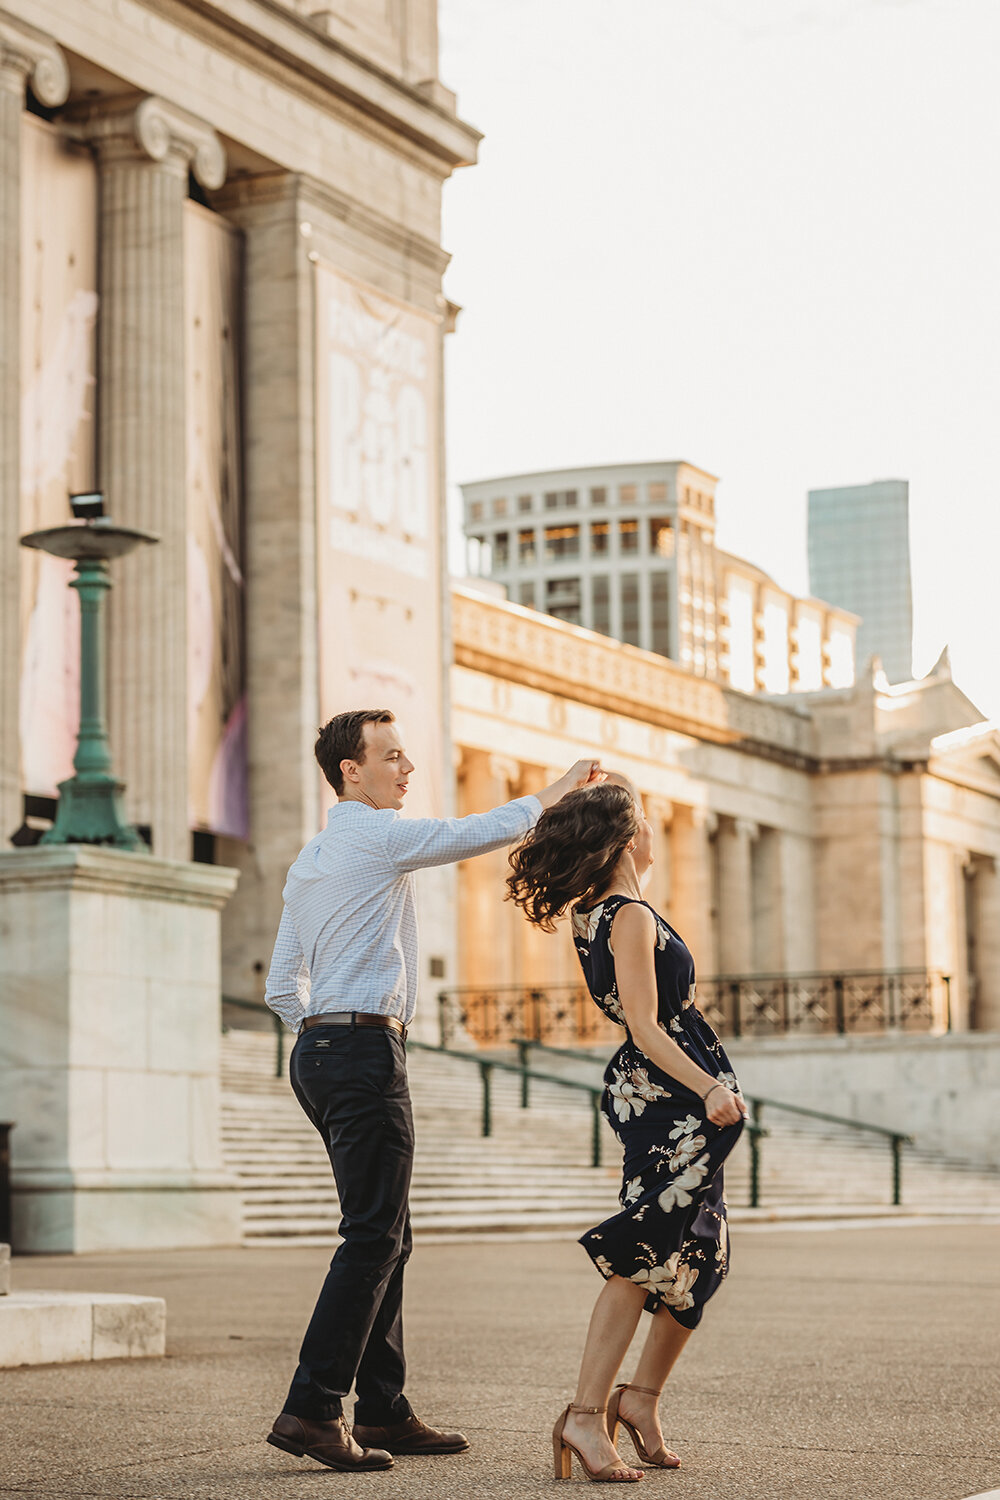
(90,802)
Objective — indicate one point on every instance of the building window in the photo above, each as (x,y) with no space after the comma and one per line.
(657,493)
(561,541)
(628,536)
(562,599)
(525,502)
(526,595)
(599,496)
(628,494)
(475,510)
(525,547)
(660,605)
(501,549)
(630,608)
(499,506)
(560,499)
(599,533)
(661,537)
(600,602)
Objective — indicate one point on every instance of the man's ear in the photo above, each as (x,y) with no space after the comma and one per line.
(349,770)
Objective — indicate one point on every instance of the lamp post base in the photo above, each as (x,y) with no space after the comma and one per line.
(90,812)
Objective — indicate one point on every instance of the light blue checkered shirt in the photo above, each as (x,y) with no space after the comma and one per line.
(348,933)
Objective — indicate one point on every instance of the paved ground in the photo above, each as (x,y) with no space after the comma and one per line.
(853,1364)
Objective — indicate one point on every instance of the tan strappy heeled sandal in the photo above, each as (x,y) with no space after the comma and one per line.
(663,1458)
(563,1451)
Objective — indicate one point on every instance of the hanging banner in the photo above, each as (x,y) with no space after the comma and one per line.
(378,516)
(58,361)
(217,708)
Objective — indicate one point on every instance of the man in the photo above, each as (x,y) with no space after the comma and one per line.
(344,975)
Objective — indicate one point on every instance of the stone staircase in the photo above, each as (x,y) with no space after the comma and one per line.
(532,1176)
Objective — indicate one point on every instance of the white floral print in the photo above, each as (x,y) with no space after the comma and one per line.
(662,934)
(632,1091)
(685,1127)
(604,1265)
(676,1027)
(631,1192)
(692,992)
(585,922)
(613,1006)
(678,1191)
(685,1151)
(671,1282)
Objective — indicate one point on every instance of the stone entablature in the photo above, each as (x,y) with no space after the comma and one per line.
(522,645)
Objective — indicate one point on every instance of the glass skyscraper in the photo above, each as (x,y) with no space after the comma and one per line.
(859,559)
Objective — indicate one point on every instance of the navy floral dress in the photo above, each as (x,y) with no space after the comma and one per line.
(671,1235)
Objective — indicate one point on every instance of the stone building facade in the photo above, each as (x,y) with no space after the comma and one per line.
(220,302)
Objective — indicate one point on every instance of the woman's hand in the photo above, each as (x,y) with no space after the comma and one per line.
(583,773)
(723,1107)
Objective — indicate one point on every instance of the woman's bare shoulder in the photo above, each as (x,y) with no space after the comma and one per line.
(632,923)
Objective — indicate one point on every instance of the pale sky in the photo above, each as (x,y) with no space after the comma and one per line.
(760,235)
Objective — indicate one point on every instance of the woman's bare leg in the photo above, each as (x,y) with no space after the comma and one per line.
(612,1325)
(661,1351)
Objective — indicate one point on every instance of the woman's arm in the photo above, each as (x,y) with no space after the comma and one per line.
(633,942)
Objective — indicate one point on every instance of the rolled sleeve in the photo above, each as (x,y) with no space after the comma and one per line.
(421,842)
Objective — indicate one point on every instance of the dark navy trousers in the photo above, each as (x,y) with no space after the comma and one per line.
(352,1083)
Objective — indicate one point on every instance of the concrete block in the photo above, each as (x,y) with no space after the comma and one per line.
(48,1328)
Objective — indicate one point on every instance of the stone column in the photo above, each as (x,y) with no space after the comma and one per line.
(736,836)
(767,925)
(26,56)
(660,814)
(145,149)
(281,605)
(489,928)
(692,893)
(987,1011)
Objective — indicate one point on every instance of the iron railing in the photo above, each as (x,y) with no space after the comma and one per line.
(846,1003)
(758,1103)
(755,1130)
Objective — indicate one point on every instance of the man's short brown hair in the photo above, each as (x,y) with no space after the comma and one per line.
(344,739)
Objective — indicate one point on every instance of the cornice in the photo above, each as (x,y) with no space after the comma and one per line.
(303,190)
(506,641)
(92,867)
(288,41)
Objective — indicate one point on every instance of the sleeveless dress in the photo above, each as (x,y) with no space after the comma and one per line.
(671,1235)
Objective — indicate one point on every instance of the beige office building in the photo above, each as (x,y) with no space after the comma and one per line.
(629,550)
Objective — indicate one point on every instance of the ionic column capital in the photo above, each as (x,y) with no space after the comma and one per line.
(704,821)
(151,127)
(659,809)
(505,768)
(29,56)
(745,828)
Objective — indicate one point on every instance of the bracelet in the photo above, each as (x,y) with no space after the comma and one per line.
(715,1086)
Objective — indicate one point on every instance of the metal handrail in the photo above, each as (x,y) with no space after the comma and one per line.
(897,1138)
(486,1066)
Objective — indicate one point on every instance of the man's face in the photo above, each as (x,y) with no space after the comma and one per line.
(385,770)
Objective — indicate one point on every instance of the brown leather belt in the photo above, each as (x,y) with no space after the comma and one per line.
(354,1018)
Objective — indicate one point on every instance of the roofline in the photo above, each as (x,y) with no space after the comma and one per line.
(654,463)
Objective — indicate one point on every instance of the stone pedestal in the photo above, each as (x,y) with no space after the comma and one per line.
(109,1050)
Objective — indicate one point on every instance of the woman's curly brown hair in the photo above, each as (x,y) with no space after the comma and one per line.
(571,853)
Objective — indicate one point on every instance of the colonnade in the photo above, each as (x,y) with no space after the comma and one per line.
(738,893)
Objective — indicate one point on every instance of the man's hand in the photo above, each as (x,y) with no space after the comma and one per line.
(584,773)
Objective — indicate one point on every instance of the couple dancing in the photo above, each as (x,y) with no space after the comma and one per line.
(344,976)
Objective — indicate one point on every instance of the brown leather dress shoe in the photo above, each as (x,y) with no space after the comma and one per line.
(412,1436)
(328,1443)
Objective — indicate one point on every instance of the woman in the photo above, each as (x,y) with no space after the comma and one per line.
(672,1100)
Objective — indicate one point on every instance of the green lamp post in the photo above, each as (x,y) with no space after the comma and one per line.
(90,805)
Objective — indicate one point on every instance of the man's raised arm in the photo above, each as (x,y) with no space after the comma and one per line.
(416,844)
